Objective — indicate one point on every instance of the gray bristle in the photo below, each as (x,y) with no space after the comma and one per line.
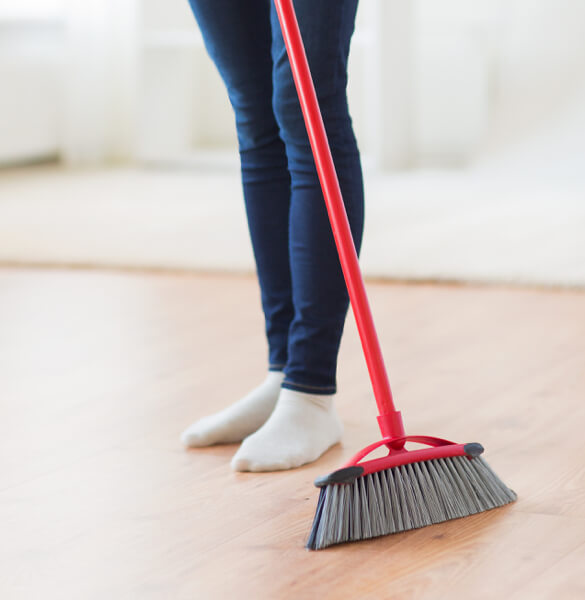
(406,497)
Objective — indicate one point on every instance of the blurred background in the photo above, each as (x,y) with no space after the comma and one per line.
(117,144)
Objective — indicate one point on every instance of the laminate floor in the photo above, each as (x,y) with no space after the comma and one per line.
(101,371)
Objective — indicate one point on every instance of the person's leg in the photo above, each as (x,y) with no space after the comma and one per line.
(319,293)
(304,423)
(238,38)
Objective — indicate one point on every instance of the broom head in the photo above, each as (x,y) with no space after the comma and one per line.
(404,490)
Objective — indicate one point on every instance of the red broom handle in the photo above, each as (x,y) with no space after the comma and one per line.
(389,420)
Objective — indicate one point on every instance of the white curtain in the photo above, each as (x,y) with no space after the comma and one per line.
(100,81)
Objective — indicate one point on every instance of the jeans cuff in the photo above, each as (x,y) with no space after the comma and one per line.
(309,389)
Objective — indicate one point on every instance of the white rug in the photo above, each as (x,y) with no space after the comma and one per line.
(476,228)
(479,225)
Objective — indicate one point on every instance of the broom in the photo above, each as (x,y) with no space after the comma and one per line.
(406,489)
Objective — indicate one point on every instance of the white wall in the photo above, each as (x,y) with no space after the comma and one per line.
(31,90)
(538,67)
(430,83)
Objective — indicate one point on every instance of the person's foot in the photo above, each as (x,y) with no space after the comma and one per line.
(300,429)
(240,419)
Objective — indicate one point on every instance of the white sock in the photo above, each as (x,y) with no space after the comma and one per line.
(301,427)
(237,421)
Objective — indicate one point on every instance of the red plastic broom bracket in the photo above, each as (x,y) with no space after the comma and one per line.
(398,455)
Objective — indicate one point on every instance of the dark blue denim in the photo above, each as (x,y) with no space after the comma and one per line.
(303,292)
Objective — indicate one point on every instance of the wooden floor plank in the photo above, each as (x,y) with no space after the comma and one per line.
(99,373)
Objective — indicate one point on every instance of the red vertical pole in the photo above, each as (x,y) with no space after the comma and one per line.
(389,420)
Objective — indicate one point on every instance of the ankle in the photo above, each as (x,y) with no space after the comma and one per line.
(323,401)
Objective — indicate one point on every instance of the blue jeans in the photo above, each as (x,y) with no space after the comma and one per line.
(303,292)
